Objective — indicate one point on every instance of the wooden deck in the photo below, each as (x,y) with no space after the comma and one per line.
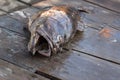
(92,55)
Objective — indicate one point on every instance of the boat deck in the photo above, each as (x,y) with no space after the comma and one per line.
(92,55)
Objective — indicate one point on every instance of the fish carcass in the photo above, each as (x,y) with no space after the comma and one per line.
(51,28)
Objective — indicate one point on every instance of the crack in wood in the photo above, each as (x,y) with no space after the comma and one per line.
(108,60)
(24,2)
(102,6)
(47,75)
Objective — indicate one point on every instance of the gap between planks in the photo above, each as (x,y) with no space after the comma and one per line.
(48,76)
(102,6)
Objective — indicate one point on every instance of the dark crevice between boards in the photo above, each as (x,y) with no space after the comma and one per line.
(19,7)
(14,9)
(108,60)
(18,65)
(117,28)
(109,25)
(4,11)
(8,14)
(101,6)
(47,75)
(24,3)
(82,0)
(30,5)
(30,69)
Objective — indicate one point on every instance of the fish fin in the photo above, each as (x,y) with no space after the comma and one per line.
(81,26)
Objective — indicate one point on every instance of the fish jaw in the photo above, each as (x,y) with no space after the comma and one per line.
(32,43)
(38,44)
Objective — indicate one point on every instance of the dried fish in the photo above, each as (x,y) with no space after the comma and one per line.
(51,28)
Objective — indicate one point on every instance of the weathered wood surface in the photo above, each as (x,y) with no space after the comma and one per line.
(104,43)
(11,5)
(88,41)
(113,5)
(2,13)
(14,50)
(100,44)
(12,24)
(67,66)
(9,71)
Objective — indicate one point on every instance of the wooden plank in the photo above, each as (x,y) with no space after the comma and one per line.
(103,43)
(78,66)
(2,13)
(12,24)
(20,15)
(11,72)
(67,66)
(113,5)
(11,5)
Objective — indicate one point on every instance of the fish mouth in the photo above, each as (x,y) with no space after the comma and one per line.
(43,47)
